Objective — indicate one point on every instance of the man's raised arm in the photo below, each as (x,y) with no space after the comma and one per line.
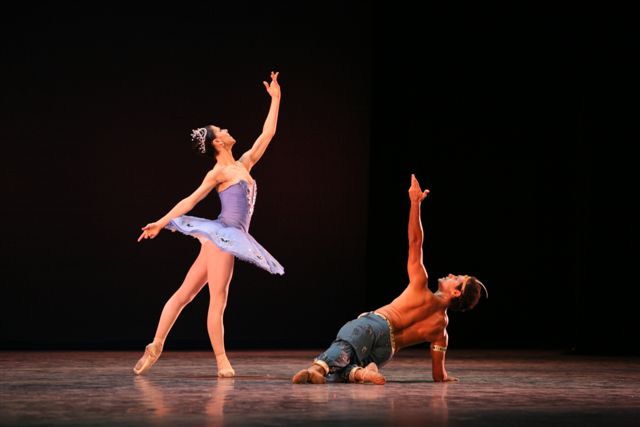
(415,267)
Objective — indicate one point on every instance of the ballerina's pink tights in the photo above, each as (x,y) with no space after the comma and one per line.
(212,266)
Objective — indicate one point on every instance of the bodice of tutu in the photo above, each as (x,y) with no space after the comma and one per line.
(237,202)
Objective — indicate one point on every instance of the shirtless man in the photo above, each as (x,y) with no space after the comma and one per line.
(416,316)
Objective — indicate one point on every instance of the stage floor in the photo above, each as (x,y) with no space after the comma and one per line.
(496,388)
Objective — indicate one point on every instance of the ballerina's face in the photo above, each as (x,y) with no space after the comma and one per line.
(223,136)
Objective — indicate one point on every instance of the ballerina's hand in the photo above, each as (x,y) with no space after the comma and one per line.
(150,231)
(274,87)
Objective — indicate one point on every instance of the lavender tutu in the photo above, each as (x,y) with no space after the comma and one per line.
(230,231)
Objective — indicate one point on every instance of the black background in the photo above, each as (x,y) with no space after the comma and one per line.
(506,117)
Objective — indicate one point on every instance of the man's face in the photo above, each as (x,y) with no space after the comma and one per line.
(451,283)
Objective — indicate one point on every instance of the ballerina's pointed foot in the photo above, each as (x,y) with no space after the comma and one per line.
(225,370)
(226,373)
(151,354)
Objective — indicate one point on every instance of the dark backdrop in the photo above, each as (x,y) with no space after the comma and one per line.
(500,118)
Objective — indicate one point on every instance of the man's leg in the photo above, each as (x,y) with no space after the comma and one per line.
(335,359)
(367,375)
(369,335)
(314,374)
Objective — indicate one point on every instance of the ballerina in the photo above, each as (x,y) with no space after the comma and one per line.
(221,239)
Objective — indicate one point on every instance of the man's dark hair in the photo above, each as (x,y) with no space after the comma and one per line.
(469,297)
